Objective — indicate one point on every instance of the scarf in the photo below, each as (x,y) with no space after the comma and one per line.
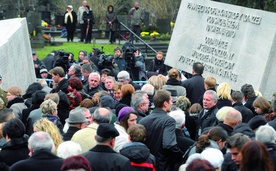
(66,17)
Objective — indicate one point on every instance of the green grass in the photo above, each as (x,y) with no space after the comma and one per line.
(75,47)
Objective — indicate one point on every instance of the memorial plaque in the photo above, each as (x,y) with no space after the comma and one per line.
(235,44)
(16,67)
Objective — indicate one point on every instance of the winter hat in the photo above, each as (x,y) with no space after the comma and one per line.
(124,112)
(214,156)
(257,121)
(76,116)
(107,101)
(107,130)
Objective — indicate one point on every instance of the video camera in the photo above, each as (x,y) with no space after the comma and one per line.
(128,52)
(62,59)
(106,61)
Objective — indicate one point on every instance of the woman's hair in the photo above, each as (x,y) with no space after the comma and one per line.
(183,103)
(255,157)
(75,83)
(45,125)
(127,89)
(263,104)
(16,91)
(211,82)
(224,91)
(75,162)
(117,86)
(195,108)
(200,165)
(173,73)
(215,134)
(48,106)
(87,103)
(157,81)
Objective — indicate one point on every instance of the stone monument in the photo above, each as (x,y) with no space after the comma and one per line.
(237,45)
(16,67)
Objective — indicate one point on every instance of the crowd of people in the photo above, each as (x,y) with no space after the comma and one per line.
(96,118)
(84,17)
(89,114)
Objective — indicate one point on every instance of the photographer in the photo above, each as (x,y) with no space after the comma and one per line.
(107,62)
(62,60)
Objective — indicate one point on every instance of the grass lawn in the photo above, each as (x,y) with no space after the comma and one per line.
(75,47)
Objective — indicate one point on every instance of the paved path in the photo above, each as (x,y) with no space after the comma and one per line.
(99,41)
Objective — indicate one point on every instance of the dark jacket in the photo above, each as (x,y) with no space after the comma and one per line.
(120,61)
(245,129)
(183,142)
(92,91)
(55,119)
(194,88)
(223,102)
(111,17)
(139,155)
(272,123)
(245,112)
(271,148)
(161,139)
(126,99)
(249,105)
(140,115)
(158,67)
(14,151)
(62,85)
(227,128)
(89,16)
(71,25)
(41,160)
(206,120)
(228,164)
(70,132)
(108,160)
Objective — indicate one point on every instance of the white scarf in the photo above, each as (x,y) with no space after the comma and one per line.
(66,17)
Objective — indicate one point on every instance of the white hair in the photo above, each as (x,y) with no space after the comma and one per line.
(266,134)
(179,117)
(68,149)
(148,88)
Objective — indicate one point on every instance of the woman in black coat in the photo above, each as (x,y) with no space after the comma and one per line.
(111,23)
(70,21)
(88,18)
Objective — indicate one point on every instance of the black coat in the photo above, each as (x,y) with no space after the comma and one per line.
(89,16)
(223,102)
(104,158)
(70,132)
(161,139)
(208,120)
(271,148)
(183,142)
(158,67)
(249,105)
(194,88)
(14,151)
(139,154)
(71,25)
(92,91)
(227,128)
(61,86)
(228,164)
(41,160)
(245,112)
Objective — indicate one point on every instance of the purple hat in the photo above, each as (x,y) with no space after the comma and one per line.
(124,112)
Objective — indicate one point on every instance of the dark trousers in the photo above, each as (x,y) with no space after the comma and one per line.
(88,34)
(82,28)
(136,29)
(70,35)
(111,36)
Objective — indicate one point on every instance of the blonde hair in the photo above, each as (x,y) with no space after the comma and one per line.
(224,91)
(173,73)
(210,82)
(15,90)
(157,81)
(48,106)
(45,125)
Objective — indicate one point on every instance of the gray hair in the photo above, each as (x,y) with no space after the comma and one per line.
(137,98)
(110,77)
(148,88)
(102,115)
(68,148)
(265,134)
(87,68)
(95,74)
(213,93)
(179,117)
(41,141)
(48,106)
(123,75)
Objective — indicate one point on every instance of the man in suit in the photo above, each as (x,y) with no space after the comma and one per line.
(41,147)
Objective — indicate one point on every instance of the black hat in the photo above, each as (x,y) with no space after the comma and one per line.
(107,130)
(256,122)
